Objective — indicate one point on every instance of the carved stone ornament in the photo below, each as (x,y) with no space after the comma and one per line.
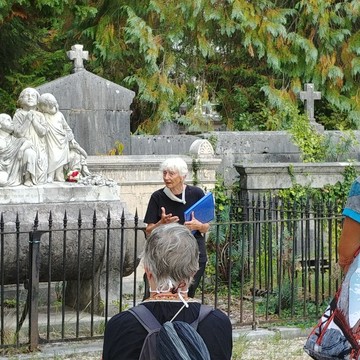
(202,148)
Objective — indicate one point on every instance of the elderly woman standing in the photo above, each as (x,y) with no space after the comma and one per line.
(170,261)
(167,205)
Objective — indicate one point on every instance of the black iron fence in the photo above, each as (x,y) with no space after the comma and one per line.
(267,260)
(273,259)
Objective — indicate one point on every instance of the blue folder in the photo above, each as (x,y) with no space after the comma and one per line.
(204,209)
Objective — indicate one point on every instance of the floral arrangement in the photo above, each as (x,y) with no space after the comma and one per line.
(73,176)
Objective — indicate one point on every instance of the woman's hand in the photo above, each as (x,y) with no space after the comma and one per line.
(168,218)
(165,219)
(195,224)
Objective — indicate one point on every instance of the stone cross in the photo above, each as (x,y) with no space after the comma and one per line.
(309,95)
(78,55)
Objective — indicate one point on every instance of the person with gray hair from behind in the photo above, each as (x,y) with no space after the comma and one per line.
(170,260)
(168,204)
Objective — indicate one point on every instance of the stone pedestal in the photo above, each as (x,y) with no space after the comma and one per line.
(263,177)
(77,243)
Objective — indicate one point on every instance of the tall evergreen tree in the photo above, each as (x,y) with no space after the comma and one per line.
(250,57)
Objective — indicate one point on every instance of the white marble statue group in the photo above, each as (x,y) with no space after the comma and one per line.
(37,146)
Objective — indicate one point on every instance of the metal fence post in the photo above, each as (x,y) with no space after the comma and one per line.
(34,276)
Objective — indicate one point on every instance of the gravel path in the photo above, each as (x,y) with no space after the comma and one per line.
(291,349)
(244,349)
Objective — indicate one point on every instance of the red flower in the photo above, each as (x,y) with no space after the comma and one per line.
(73,176)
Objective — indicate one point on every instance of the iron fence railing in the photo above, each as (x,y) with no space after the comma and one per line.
(274,259)
(267,260)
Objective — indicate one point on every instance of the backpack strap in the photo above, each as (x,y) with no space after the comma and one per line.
(150,323)
(205,310)
(145,317)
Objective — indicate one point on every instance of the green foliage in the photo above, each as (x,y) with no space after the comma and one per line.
(240,346)
(310,142)
(213,141)
(221,194)
(32,47)
(286,301)
(335,194)
(194,122)
(219,241)
(281,300)
(117,149)
(10,303)
(340,191)
(251,58)
(122,307)
(339,150)
(333,118)
(316,147)
(230,231)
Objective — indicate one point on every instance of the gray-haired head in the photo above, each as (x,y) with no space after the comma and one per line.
(175,164)
(171,254)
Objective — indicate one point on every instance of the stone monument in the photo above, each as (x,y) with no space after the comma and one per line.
(97,110)
(77,54)
(56,203)
(17,156)
(309,96)
(63,190)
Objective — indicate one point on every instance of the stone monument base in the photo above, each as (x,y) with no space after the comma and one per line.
(77,243)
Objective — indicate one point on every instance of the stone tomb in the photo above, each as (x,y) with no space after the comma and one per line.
(70,197)
(263,177)
(97,110)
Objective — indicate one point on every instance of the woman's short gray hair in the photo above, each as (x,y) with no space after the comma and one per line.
(175,164)
(171,254)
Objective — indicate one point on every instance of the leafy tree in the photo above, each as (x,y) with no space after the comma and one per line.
(31,51)
(35,35)
(250,57)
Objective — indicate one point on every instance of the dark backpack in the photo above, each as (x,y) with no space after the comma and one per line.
(175,340)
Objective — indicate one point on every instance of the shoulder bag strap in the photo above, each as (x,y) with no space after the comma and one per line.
(145,317)
(205,310)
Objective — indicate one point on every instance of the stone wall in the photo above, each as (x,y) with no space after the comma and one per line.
(230,147)
(257,160)
(248,147)
(237,147)
(138,176)
(161,144)
(261,177)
